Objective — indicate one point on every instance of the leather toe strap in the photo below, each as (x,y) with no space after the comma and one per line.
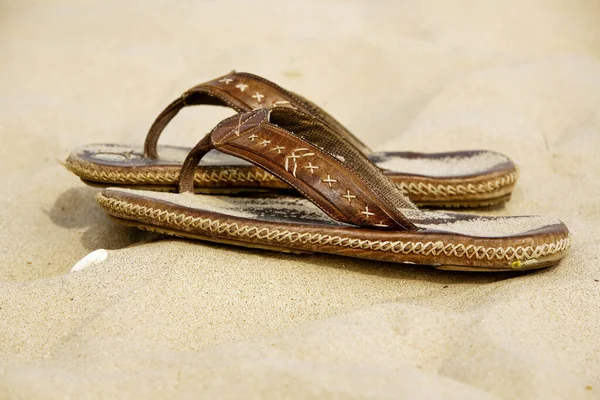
(301,150)
(242,92)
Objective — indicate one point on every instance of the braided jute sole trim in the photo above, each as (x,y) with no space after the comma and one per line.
(88,171)
(515,257)
(439,190)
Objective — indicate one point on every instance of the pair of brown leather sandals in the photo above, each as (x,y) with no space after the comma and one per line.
(284,175)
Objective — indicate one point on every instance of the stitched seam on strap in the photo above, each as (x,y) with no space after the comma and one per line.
(239,126)
(437,248)
(286,92)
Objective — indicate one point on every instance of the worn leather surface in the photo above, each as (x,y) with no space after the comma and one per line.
(242,92)
(326,179)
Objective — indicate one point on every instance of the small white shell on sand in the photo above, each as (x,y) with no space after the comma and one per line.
(95,257)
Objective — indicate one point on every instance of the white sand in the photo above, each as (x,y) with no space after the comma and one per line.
(171,318)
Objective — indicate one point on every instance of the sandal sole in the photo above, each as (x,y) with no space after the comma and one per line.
(414,248)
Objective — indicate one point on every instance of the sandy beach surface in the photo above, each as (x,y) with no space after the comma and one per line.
(168,318)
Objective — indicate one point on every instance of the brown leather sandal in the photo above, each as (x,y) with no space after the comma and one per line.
(350,207)
(456,179)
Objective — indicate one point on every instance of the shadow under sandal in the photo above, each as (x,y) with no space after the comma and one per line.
(453,179)
(349,207)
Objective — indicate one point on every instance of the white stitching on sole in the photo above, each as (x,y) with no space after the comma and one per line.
(510,253)
(165,177)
